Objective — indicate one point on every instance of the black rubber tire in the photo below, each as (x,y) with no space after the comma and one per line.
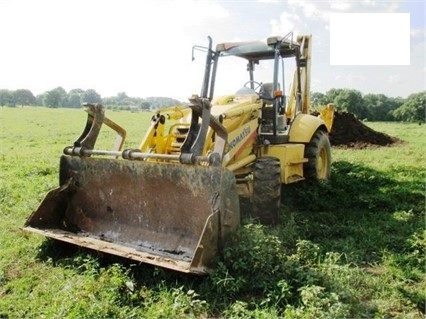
(318,153)
(267,190)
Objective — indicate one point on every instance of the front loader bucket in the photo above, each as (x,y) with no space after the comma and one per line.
(170,215)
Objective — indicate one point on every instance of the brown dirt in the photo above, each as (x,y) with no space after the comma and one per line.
(349,132)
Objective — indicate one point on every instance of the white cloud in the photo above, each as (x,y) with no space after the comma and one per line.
(289,22)
(144,47)
(393,79)
(311,10)
(417,33)
(140,47)
(350,79)
(340,5)
(363,6)
(268,1)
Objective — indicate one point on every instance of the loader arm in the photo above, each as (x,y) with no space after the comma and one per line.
(194,145)
(95,118)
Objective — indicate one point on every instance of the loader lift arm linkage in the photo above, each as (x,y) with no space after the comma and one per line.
(191,151)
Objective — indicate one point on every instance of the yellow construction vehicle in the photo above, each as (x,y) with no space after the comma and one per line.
(174,200)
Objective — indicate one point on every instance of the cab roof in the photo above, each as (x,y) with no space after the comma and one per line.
(258,50)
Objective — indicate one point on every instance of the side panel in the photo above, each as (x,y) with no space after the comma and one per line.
(240,142)
(303,128)
(327,115)
(291,158)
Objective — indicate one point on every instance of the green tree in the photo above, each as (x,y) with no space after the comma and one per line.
(348,100)
(6,98)
(40,99)
(124,102)
(110,101)
(121,97)
(55,98)
(351,101)
(76,91)
(145,105)
(160,101)
(413,109)
(91,96)
(380,106)
(318,99)
(24,97)
(331,95)
(74,98)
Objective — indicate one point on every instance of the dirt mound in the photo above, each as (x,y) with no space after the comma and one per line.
(349,132)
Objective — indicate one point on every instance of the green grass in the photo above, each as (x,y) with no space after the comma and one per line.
(353,247)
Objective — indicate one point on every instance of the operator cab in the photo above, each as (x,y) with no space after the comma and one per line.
(274,125)
(277,111)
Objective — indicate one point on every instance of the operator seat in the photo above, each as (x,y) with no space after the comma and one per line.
(267,93)
(268,114)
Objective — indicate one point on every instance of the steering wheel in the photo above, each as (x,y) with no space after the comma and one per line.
(256,85)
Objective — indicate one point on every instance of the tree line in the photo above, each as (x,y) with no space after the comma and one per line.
(372,107)
(59,97)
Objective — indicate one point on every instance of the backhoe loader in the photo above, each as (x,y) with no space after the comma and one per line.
(175,199)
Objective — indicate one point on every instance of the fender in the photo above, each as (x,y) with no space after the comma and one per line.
(303,128)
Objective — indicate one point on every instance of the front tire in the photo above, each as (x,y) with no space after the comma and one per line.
(267,190)
(318,153)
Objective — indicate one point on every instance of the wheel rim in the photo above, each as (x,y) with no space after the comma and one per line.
(322,164)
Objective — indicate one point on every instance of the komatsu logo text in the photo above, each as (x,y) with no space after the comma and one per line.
(239,137)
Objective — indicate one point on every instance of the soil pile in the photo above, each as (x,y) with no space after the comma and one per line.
(349,132)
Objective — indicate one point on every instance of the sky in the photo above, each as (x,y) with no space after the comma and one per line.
(144,48)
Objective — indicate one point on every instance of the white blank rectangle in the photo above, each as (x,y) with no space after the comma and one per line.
(370,38)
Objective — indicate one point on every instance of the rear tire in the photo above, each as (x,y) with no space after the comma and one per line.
(318,153)
(267,190)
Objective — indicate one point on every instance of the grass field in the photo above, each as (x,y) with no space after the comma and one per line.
(353,247)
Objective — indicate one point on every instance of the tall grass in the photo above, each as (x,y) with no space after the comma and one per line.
(353,247)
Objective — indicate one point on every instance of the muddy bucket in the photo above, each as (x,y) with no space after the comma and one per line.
(170,215)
